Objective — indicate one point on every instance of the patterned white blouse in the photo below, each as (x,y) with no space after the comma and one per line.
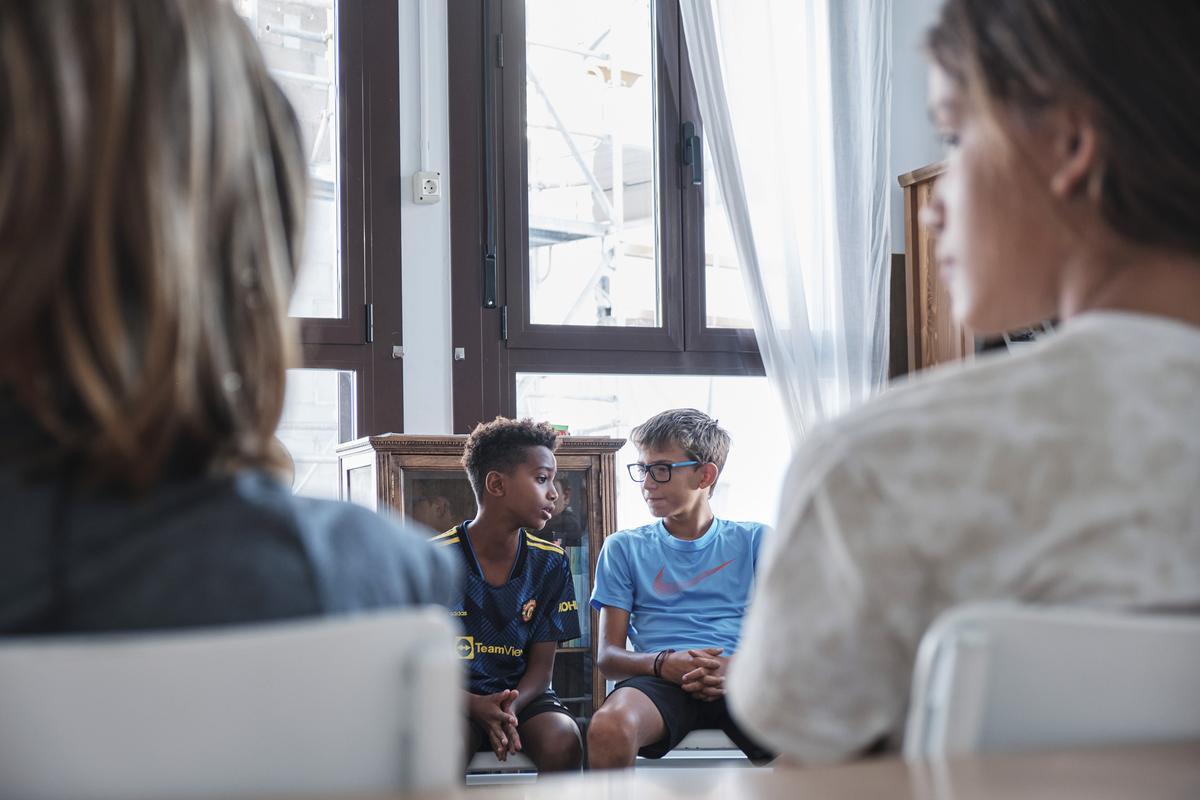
(1067,473)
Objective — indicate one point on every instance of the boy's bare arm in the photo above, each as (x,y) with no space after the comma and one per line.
(615,661)
(536,680)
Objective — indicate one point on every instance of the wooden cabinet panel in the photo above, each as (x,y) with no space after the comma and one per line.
(933,335)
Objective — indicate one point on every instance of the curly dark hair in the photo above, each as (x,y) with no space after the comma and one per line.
(500,445)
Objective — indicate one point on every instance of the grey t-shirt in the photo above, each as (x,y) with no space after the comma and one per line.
(208,551)
(1063,474)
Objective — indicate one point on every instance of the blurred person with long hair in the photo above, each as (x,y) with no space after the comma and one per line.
(1064,474)
(152,187)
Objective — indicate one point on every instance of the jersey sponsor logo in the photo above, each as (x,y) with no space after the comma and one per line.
(464,646)
(665,587)
(527,610)
(567,605)
(499,650)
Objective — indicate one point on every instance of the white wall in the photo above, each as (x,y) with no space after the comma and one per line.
(425,230)
(914,141)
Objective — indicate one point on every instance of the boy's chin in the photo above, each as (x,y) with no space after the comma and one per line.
(659,510)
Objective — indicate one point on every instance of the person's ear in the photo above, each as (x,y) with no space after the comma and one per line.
(1073,153)
(708,475)
(493,483)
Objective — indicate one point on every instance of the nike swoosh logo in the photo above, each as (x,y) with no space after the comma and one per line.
(662,587)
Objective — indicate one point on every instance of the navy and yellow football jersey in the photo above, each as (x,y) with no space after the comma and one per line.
(500,623)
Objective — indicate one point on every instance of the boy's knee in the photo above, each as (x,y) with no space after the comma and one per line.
(564,754)
(611,727)
(558,746)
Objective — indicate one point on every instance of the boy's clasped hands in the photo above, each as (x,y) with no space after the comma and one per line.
(494,713)
(701,673)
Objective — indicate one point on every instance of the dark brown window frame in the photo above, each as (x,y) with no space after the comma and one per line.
(492,32)
(362,339)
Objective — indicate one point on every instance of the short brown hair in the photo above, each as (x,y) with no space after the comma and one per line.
(152,184)
(500,445)
(692,431)
(1129,66)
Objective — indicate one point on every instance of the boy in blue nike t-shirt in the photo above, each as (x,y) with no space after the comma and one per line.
(677,590)
(518,598)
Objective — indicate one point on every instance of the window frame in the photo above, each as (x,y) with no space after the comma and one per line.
(499,342)
(514,207)
(368,213)
(699,336)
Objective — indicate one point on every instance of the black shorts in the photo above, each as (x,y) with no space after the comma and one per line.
(681,714)
(547,703)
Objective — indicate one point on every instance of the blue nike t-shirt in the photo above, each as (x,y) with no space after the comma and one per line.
(680,594)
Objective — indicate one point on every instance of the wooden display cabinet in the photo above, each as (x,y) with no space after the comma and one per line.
(925,329)
(933,336)
(421,478)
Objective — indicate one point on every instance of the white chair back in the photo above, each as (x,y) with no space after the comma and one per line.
(485,762)
(344,705)
(1004,677)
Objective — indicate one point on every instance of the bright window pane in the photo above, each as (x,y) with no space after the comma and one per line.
(725,294)
(299,42)
(611,405)
(593,211)
(318,415)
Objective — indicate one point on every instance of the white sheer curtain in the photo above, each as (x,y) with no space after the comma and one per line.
(795,98)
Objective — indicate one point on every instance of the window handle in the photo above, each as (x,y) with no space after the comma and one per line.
(489,278)
(692,153)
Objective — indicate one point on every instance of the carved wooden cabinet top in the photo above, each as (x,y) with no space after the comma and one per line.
(921,174)
(932,334)
(412,443)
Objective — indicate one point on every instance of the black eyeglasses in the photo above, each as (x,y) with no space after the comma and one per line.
(661,473)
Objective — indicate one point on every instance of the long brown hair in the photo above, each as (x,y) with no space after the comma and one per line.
(1129,65)
(151,194)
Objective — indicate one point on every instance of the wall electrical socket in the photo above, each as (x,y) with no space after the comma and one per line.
(427,187)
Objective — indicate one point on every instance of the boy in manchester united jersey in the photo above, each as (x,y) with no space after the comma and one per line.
(518,600)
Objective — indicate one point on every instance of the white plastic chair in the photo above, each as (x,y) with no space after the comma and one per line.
(1003,677)
(337,705)
(484,768)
